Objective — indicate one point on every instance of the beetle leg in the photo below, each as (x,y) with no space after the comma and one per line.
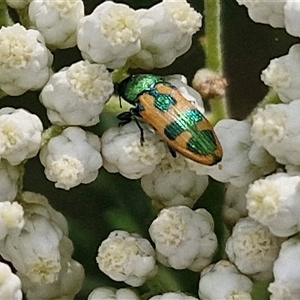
(142,139)
(128,116)
(172,151)
(125,118)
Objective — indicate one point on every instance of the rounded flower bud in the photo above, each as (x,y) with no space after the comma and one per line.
(184,238)
(71,158)
(275,202)
(110,35)
(77,94)
(20,135)
(57,20)
(24,60)
(173,183)
(253,249)
(123,151)
(127,257)
(224,281)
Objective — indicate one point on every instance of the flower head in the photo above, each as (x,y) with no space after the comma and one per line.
(184,238)
(72,158)
(20,135)
(166,33)
(173,183)
(127,257)
(34,252)
(76,95)
(277,129)
(224,281)
(282,75)
(110,35)
(275,202)
(57,20)
(123,151)
(253,248)
(24,60)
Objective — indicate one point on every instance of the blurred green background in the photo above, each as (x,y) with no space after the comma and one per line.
(113,202)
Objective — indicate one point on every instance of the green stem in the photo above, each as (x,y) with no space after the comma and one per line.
(213,51)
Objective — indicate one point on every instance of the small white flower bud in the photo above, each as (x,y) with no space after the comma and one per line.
(276,128)
(173,183)
(282,75)
(57,20)
(110,35)
(209,84)
(275,202)
(24,60)
(253,249)
(20,135)
(127,257)
(223,281)
(72,158)
(123,151)
(76,95)
(184,238)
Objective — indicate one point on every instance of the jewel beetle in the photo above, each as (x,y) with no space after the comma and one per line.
(177,120)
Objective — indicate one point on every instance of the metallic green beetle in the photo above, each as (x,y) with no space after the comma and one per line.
(176,119)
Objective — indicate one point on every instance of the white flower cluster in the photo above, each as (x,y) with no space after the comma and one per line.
(261,206)
(34,239)
(261,209)
(147,38)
